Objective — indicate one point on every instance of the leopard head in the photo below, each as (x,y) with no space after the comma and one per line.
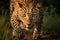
(28,14)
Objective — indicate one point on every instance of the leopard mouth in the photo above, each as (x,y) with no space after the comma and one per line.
(30,26)
(22,26)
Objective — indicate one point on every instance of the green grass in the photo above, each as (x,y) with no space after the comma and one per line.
(51,21)
(5,32)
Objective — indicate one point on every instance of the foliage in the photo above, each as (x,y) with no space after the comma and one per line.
(51,21)
(5,32)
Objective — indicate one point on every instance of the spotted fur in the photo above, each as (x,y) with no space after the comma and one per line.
(26,14)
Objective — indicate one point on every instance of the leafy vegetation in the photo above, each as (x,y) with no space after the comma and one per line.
(51,21)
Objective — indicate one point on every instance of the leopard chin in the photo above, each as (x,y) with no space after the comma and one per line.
(22,26)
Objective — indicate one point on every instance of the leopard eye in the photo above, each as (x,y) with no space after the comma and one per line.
(20,4)
(38,7)
(33,15)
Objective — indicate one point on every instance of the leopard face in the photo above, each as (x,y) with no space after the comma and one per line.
(29,14)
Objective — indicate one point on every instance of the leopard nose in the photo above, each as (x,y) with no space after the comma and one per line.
(29,24)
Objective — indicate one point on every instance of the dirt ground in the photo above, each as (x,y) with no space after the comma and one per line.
(45,37)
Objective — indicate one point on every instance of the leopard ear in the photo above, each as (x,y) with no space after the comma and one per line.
(20,4)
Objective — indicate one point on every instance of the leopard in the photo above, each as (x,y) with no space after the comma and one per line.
(25,15)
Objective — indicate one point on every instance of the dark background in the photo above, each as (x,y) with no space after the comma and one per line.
(51,21)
